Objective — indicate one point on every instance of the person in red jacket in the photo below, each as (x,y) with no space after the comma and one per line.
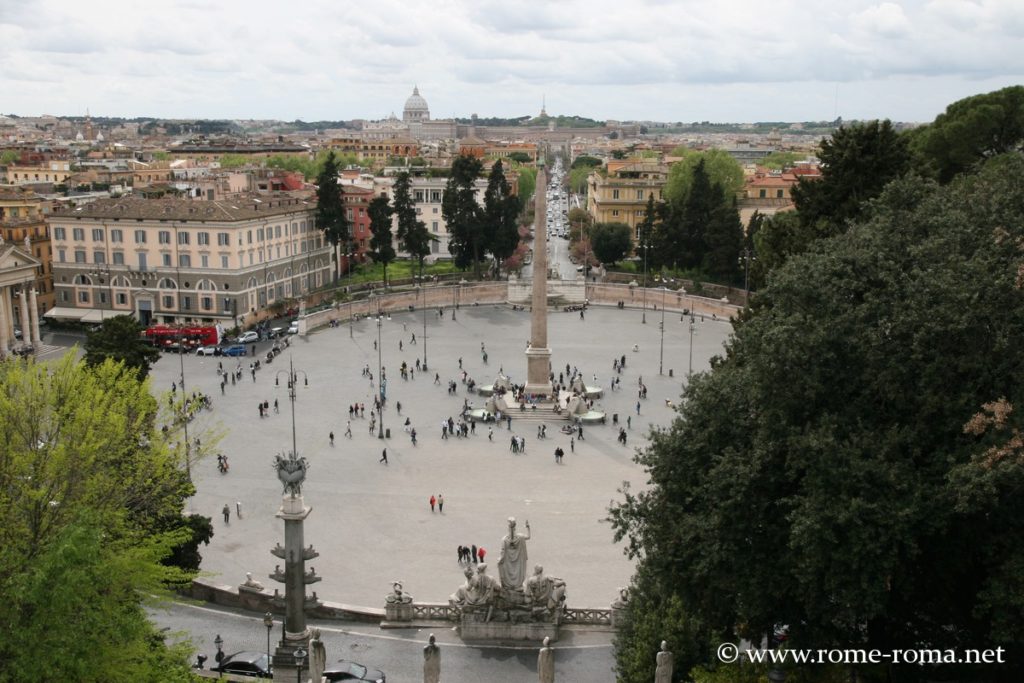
(480,553)
(433,502)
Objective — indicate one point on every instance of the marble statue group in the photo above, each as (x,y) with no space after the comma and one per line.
(514,596)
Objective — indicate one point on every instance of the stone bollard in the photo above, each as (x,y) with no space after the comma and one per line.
(666,662)
(431,661)
(546,663)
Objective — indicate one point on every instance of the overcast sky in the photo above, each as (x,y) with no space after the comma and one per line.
(663,60)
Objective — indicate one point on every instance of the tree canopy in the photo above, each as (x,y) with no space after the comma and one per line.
(91,502)
(851,467)
(331,218)
(412,232)
(970,131)
(382,249)
(120,339)
(463,214)
(501,209)
(611,242)
(719,166)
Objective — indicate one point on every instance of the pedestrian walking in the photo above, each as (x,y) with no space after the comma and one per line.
(275,406)
(490,434)
(474,555)
(433,501)
(348,428)
(629,422)
(572,445)
(579,432)
(398,406)
(481,553)
(384,457)
(332,438)
(440,503)
(227,514)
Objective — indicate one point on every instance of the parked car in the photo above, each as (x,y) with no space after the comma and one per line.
(345,670)
(249,337)
(294,327)
(235,350)
(245,663)
(208,351)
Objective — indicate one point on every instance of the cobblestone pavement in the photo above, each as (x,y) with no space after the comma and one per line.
(372,522)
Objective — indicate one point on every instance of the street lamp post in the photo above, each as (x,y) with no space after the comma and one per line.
(746,275)
(219,644)
(300,655)
(380,371)
(661,353)
(692,325)
(643,318)
(423,284)
(268,621)
(293,378)
(184,405)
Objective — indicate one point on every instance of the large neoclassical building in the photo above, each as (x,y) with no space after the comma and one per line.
(415,123)
(185,261)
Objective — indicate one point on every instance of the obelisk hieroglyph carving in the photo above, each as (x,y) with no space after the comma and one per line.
(538,355)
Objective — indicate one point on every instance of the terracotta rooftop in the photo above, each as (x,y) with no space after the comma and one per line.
(174,209)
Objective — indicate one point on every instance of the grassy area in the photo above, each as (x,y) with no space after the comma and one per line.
(398,270)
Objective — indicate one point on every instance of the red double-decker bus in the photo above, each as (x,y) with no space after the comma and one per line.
(172,337)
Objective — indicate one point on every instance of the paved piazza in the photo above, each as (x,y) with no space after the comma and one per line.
(370,522)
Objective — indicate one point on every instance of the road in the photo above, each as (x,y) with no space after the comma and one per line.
(398,652)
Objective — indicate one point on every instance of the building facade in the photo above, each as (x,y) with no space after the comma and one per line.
(621,196)
(179,260)
(22,217)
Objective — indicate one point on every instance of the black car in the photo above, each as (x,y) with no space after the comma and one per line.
(246,663)
(345,670)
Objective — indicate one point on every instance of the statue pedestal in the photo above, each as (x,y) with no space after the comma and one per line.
(398,611)
(538,371)
(285,670)
(473,627)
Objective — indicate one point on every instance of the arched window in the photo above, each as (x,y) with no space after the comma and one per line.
(206,286)
(167,283)
(120,281)
(83,280)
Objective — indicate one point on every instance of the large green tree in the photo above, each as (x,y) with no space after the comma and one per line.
(382,249)
(412,233)
(120,339)
(723,244)
(331,218)
(856,163)
(611,242)
(852,467)
(91,499)
(970,131)
(463,214)
(719,166)
(501,209)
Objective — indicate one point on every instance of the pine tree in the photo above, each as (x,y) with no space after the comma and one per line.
(412,232)
(501,209)
(330,207)
(381,249)
(463,215)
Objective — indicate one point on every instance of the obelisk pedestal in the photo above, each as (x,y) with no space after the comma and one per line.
(538,355)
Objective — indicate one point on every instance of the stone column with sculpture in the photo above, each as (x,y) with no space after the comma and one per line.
(538,355)
(291,471)
(26,328)
(431,661)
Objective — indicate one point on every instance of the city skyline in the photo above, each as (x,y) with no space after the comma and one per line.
(657,60)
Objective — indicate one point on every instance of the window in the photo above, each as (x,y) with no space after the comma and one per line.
(223,261)
(140,237)
(122,299)
(223,239)
(186,303)
(778,194)
(762,194)
(64,296)
(165,237)
(166,260)
(640,195)
(203,239)
(435,196)
(433,226)
(79,256)
(184,260)
(103,297)
(418,195)
(277,231)
(615,213)
(117,235)
(97,234)
(206,302)
(168,301)
(615,194)
(59,233)
(142,261)
(249,234)
(83,296)
(435,209)
(79,234)
(99,257)
(183,238)
(205,260)
(61,256)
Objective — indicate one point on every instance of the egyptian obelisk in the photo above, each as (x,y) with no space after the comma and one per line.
(538,355)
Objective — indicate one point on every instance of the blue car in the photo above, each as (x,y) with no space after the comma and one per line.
(236,350)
